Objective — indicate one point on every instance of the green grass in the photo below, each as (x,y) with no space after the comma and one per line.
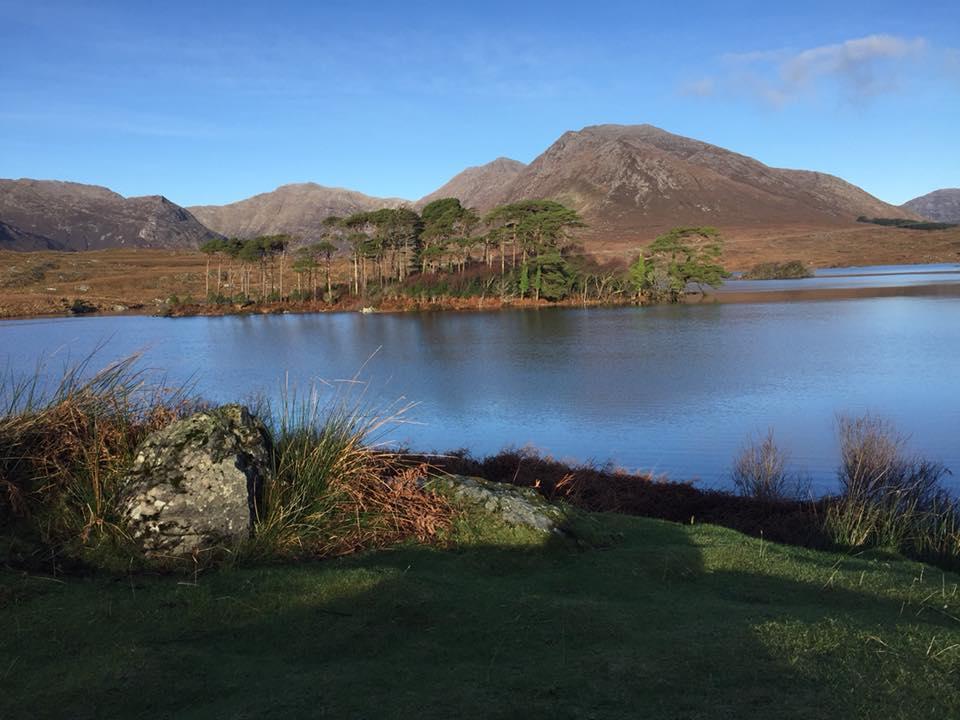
(674,621)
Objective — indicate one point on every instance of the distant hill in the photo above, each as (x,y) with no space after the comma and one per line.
(939,205)
(49,214)
(630,183)
(633,181)
(298,209)
(478,187)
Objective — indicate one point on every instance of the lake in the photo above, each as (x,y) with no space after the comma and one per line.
(673,389)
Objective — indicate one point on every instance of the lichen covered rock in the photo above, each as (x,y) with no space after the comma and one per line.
(512,504)
(196,483)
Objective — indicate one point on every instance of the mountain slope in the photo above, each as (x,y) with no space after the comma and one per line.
(298,209)
(631,182)
(480,186)
(939,205)
(73,216)
(13,238)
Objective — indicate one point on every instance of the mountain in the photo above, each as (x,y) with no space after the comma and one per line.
(939,206)
(478,187)
(630,183)
(297,209)
(633,181)
(49,214)
(13,238)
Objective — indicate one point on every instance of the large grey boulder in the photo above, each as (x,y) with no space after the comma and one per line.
(196,483)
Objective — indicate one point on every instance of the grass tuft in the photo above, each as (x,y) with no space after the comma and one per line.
(336,489)
(64,451)
(888,498)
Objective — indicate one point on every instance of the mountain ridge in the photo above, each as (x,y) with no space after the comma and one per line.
(48,214)
(629,182)
(941,205)
(297,209)
(476,186)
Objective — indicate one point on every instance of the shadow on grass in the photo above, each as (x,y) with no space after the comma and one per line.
(653,627)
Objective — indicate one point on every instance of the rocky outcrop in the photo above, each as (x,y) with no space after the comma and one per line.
(196,484)
(511,504)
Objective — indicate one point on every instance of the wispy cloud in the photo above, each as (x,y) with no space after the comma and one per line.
(856,69)
(859,63)
(703,87)
(120,121)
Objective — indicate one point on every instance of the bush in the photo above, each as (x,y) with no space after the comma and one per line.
(907,223)
(792,270)
(759,471)
(82,307)
(888,498)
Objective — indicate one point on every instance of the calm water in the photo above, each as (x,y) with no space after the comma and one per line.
(874,276)
(672,389)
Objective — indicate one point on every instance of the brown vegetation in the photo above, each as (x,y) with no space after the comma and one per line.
(65,454)
(43,283)
(843,246)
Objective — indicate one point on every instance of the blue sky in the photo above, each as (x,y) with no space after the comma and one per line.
(212,102)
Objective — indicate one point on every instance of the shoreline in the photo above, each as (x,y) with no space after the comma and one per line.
(712,297)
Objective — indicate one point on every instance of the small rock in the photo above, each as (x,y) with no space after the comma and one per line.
(512,504)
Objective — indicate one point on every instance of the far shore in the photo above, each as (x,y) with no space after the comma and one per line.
(474,304)
(495,304)
(141,283)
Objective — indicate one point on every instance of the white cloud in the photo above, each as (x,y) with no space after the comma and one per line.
(859,63)
(857,69)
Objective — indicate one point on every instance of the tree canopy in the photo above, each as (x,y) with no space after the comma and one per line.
(682,257)
(523,249)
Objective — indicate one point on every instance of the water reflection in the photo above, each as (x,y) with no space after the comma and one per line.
(674,389)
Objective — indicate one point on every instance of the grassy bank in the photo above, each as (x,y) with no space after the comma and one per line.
(364,595)
(673,621)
